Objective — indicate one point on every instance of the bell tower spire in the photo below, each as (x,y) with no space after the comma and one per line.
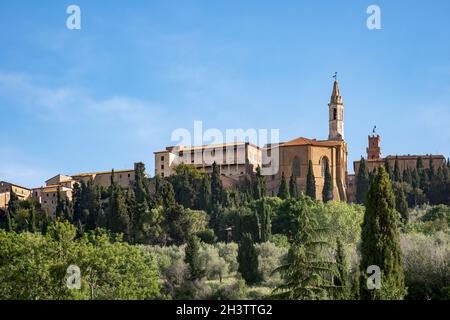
(336,112)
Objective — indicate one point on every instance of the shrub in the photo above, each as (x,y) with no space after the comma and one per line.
(426,265)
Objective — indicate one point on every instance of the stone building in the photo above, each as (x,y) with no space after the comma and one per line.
(295,155)
(5,193)
(235,159)
(47,195)
(375,159)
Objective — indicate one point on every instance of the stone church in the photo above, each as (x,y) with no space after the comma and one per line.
(296,154)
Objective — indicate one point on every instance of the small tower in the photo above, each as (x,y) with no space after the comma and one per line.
(336,110)
(374,149)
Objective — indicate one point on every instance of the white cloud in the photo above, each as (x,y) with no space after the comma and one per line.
(125,126)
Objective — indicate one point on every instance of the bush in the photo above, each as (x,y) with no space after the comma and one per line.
(426,265)
(215,266)
(229,251)
(235,291)
(33,266)
(270,257)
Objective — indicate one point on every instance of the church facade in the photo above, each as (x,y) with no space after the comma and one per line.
(294,156)
(238,160)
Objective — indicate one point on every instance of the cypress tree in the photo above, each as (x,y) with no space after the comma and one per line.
(192,258)
(216,186)
(415,178)
(132,209)
(118,220)
(138,202)
(362,182)
(264,212)
(431,169)
(32,226)
(248,260)
(380,244)
(59,213)
(283,191)
(13,204)
(327,192)
(407,176)
(259,187)
(311,182)
(204,198)
(401,204)
(397,175)
(167,195)
(387,167)
(68,210)
(341,280)
(9,225)
(371,177)
(293,187)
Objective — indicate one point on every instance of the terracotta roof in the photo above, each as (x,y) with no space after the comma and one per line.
(52,188)
(99,173)
(424,157)
(308,142)
(15,185)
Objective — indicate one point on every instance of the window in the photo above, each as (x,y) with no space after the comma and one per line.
(323,165)
(162,174)
(334,114)
(296,167)
(162,157)
(129,175)
(162,167)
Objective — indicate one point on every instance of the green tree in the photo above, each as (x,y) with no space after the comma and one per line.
(205,194)
(311,182)
(33,220)
(192,258)
(138,202)
(380,244)
(401,205)
(248,260)
(293,187)
(396,175)
(216,186)
(118,220)
(362,182)
(259,185)
(13,204)
(283,191)
(327,192)
(341,280)
(308,272)
(387,167)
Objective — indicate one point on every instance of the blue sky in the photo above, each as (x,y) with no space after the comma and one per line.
(111,94)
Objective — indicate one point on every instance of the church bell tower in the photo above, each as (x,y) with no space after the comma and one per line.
(336,110)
